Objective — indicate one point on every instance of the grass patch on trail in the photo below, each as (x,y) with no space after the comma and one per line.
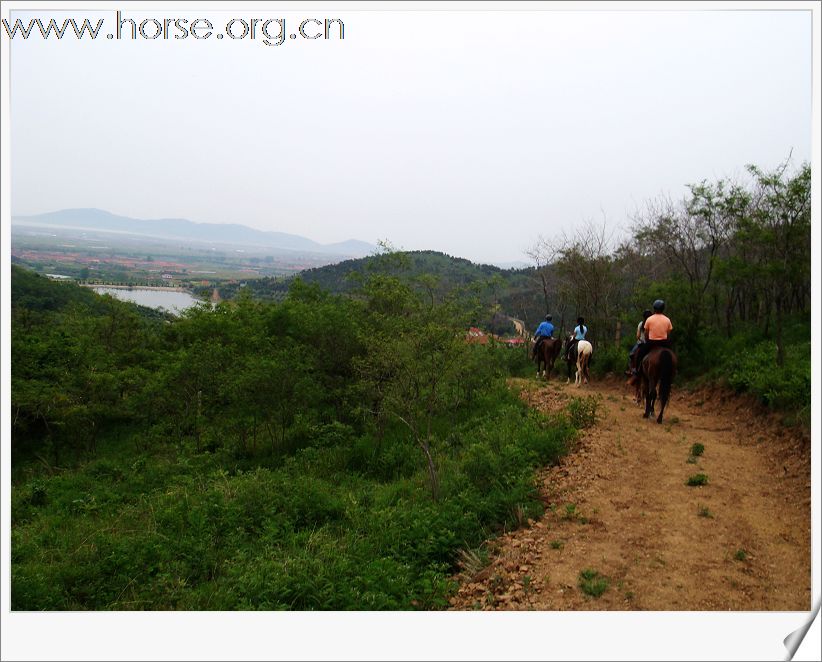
(592,583)
(696,451)
(741,555)
(572,514)
(697,480)
(584,412)
(704,512)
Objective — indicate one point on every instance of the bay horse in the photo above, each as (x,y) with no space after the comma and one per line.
(547,356)
(657,370)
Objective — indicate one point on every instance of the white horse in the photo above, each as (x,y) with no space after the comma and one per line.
(584,351)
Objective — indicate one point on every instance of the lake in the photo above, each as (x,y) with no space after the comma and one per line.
(174,301)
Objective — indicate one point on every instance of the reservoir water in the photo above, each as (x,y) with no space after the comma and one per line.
(174,301)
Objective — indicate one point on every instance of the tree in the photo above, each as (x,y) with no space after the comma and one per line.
(585,277)
(412,368)
(689,236)
(778,230)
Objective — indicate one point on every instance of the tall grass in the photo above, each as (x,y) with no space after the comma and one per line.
(345,523)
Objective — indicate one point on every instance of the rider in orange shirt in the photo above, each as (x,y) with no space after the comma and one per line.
(657,328)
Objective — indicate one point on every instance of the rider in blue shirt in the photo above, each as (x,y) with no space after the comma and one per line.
(544,330)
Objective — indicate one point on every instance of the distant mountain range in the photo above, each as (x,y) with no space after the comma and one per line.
(100,220)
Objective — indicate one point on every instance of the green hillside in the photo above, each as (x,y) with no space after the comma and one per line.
(242,457)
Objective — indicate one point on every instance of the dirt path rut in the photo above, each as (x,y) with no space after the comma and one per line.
(619,506)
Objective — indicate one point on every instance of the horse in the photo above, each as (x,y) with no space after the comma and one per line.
(547,355)
(572,359)
(584,351)
(658,369)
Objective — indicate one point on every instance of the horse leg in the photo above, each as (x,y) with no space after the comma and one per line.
(662,404)
(652,393)
(650,396)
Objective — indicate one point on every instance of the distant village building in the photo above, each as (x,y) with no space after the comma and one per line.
(58,277)
(477,336)
(167,277)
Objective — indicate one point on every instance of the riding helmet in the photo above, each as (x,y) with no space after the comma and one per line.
(548,318)
(659,306)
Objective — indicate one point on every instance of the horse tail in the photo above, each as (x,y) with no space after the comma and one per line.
(666,374)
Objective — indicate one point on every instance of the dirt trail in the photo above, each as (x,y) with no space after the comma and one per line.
(636,522)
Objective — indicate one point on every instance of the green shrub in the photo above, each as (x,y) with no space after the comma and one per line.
(592,583)
(584,411)
(755,371)
(38,493)
(608,358)
(696,480)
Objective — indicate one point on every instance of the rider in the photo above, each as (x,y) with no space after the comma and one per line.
(640,340)
(579,334)
(544,330)
(657,327)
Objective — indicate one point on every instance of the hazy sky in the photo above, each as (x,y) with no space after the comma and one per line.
(470,132)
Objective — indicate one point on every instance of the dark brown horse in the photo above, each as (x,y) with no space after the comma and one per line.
(547,355)
(657,371)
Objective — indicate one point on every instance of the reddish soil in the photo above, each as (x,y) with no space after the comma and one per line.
(619,506)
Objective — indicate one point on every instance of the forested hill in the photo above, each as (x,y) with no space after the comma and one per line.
(511,292)
(448,270)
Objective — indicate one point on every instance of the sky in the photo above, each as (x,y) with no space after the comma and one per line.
(470,132)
